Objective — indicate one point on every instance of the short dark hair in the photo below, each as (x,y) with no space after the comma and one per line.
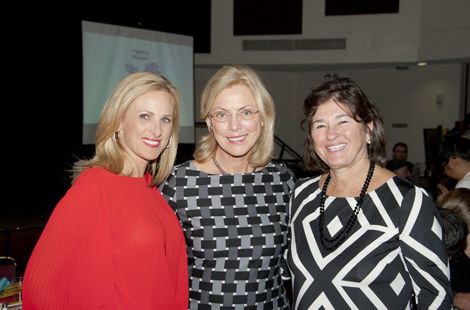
(363,110)
(455,230)
(400,144)
(455,147)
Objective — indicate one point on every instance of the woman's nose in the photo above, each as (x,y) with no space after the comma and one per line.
(331,133)
(234,122)
(156,128)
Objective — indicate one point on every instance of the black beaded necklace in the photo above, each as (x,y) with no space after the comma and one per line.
(343,233)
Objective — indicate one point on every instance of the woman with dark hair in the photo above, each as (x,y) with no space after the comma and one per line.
(361,237)
(458,200)
(456,154)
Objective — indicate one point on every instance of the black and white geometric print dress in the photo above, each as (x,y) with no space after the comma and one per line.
(236,233)
(395,248)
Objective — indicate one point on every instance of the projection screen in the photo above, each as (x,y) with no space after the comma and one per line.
(112,52)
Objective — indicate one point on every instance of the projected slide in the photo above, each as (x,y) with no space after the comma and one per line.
(111,52)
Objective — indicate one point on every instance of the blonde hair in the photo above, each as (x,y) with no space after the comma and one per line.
(109,154)
(458,200)
(224,78)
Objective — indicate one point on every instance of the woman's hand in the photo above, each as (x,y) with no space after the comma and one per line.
(462,301)
(444,191)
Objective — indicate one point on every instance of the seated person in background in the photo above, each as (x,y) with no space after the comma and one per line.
(458,200)
(456,153)
(400,152)
(466,127)
(455,230)
(399,167)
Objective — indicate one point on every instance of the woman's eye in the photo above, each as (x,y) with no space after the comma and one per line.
(343,122)
(144,116)
(166,120)
(319,126)
(220,115)
(247,112)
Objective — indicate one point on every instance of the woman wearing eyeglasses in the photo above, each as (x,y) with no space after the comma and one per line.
(231,200)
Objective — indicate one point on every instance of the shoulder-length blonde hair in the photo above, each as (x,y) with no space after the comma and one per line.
(238,75)
(109,154)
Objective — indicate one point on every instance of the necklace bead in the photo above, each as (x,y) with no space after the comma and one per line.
(344,232)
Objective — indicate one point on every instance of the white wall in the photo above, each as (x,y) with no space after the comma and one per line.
(420,31)
(423,30)
(445,30)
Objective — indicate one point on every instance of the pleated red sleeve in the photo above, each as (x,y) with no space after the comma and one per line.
(111,243)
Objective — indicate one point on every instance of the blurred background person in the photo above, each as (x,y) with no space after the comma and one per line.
(358,231)
(458,200)
(113,242)
(456,154)
(232,200)
(466,126)
(399,167)
(455,230)
(400,152)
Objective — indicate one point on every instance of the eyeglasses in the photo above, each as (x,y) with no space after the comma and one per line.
(244,115)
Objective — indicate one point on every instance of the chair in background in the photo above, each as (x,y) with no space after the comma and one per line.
(7,268)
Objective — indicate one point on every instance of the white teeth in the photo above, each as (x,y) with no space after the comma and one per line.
(336,147)
(237,139)
(151,142)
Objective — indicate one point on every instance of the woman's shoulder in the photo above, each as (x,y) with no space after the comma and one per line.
(278,167)
(93,174)
(183,170)
(184,166)
(310,183)
(108,179)
(402,190)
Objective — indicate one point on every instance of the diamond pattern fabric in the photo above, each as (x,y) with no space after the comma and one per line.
(393,251)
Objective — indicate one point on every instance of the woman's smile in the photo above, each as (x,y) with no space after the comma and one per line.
(336,147)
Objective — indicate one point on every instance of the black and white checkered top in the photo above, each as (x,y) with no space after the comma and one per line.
(236,232)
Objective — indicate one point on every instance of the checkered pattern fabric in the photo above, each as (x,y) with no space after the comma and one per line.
(236,232)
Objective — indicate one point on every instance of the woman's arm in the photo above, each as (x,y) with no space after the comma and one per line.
(71,265)
(424,250)
(462,301)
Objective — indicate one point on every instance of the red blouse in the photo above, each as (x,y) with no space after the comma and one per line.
(112,242)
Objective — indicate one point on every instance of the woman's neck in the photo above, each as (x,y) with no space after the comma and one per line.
(348,182)
(232,164)
(133,170)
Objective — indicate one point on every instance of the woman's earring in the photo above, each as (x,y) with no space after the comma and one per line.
(169,144)
(369,142)
(116,136)
(262,124)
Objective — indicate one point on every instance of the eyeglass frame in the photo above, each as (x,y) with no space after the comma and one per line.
(230,116)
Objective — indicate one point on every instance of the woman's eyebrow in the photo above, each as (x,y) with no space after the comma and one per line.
(336,117)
